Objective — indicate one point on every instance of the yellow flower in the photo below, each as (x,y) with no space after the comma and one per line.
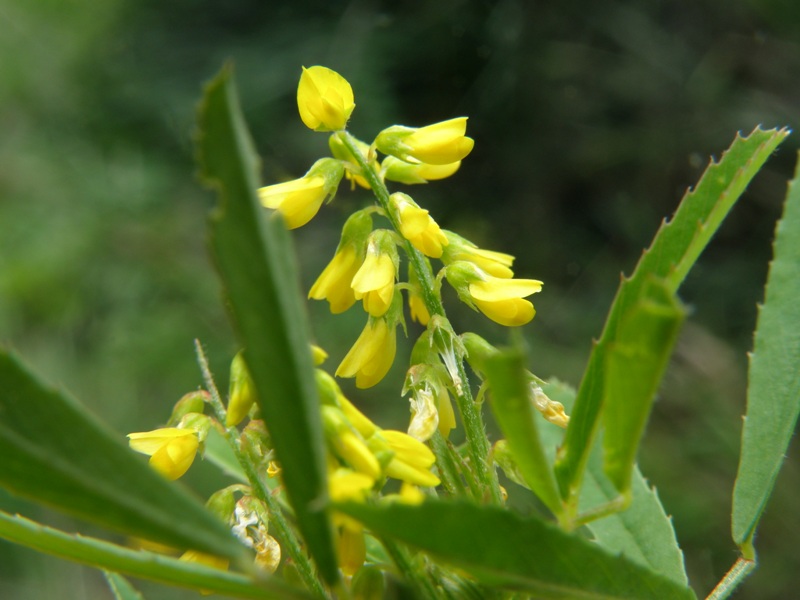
(395,169)
(418,227)
(494,263)
(412,459)
(333,284)
(171,450)
(300,199)
(438,144)
(373,283)
(498,298)
(502,299)
(324,99)
(297,200)
(372,355)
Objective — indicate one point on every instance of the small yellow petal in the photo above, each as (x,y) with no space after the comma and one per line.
(497,288)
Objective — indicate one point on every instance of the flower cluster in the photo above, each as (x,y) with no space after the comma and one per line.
(366,264)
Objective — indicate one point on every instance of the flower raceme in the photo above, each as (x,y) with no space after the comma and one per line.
(300,199)
(500,299)
(324,99)
(417,226)
(171,449)
(438,144)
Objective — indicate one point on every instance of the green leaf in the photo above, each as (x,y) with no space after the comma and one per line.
(121,587)
(53,451)
(503,549)
(643,532)
(140,563)
(773,395)
(635,363)
(512,408)
(218,452)
(255,260)
(675,248)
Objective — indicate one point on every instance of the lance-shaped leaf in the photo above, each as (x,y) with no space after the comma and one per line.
(773,395)
(255,260)
(635,363)
(503,549)
(674,250)
(643,532)
(512,408)
(140,563)
(54,452)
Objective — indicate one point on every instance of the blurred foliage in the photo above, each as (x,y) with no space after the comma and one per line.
(590,119)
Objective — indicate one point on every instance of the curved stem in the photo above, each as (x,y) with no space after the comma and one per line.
(477,441)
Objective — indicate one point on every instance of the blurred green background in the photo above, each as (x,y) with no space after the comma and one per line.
(590,120)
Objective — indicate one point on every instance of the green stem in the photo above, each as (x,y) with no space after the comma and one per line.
(449,472)
(261,491)
(420,581)
(477,441)
(733,579)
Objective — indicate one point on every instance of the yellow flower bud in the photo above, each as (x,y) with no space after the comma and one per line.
(438,144)
(416,303)
(348,444)
(300,199)
(171,450)
(372,355)
(324,99)
(418,227)
(242,393)
(351,550)
(412,460)
(357,419)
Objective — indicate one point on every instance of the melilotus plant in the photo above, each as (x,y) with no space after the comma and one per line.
(330,504)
